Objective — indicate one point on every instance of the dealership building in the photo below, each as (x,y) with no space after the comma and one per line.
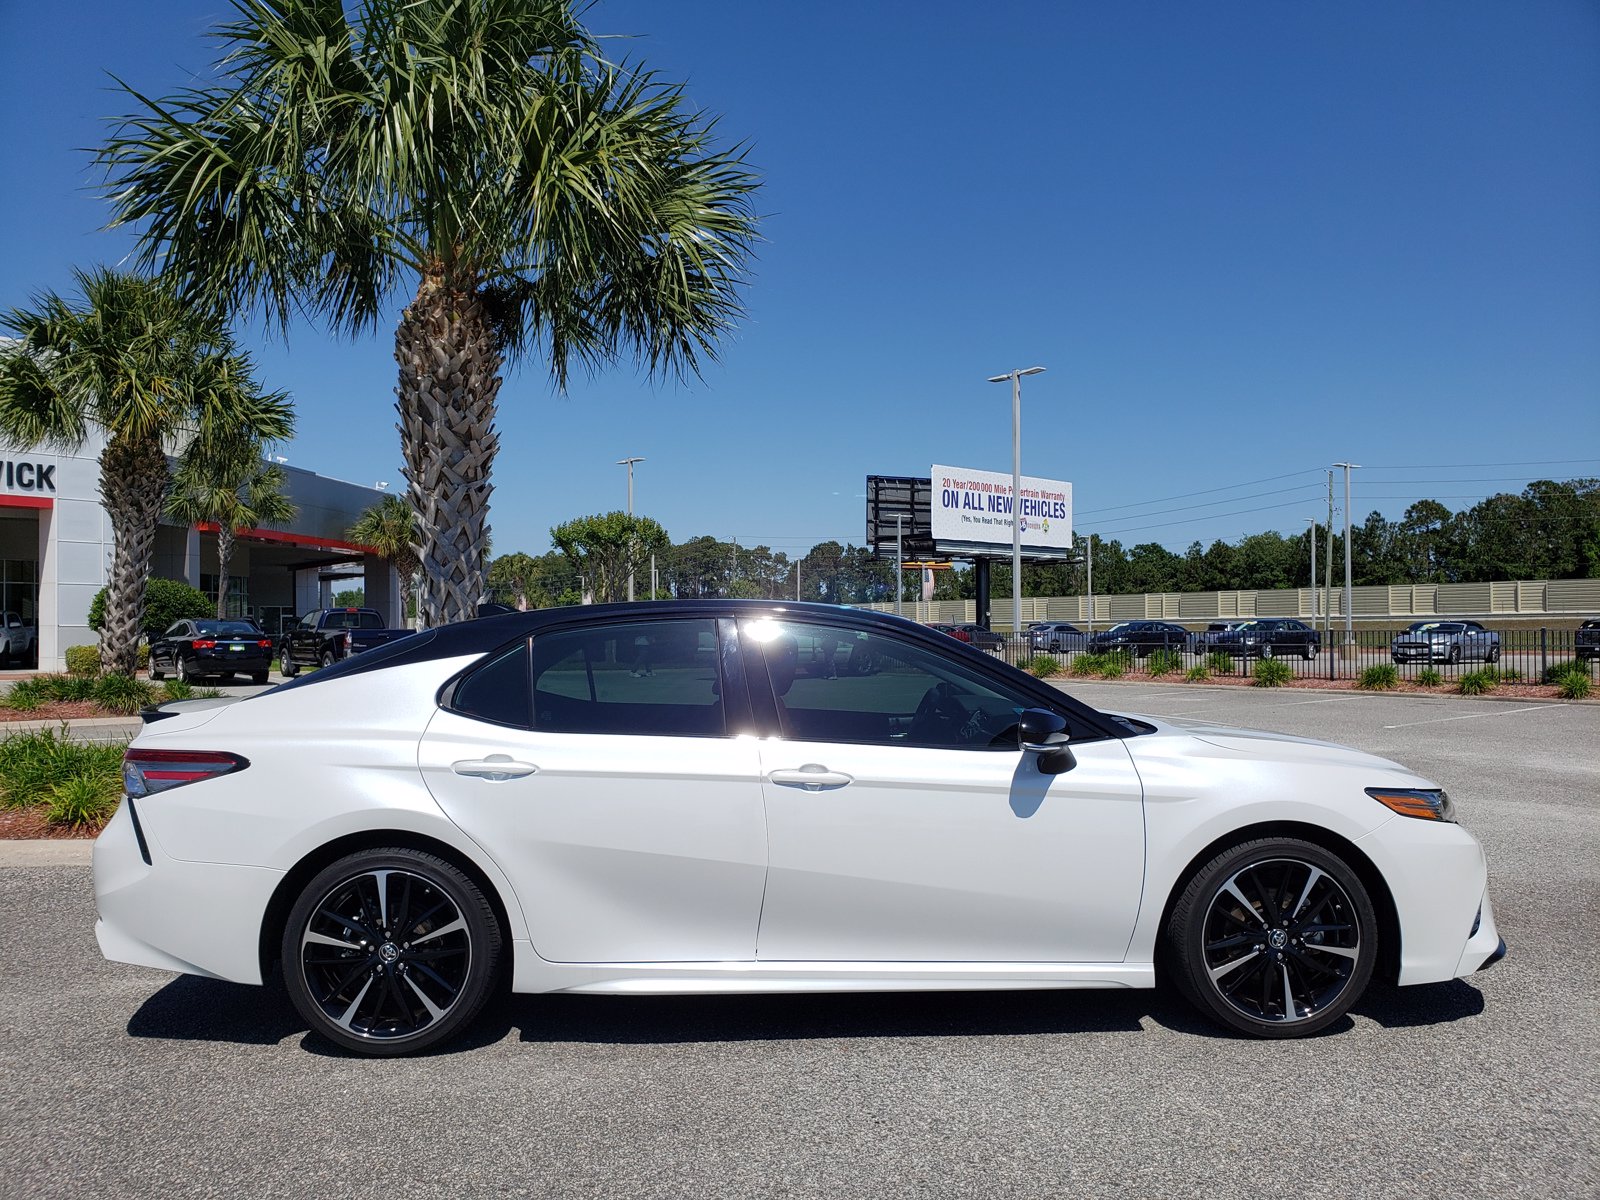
(56,544)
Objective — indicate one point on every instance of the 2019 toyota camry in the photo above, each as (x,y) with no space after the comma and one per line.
(682,797)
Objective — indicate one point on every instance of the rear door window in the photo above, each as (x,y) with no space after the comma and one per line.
(649,677)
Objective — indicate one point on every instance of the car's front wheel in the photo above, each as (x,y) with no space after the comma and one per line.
(1274,938)
(286,665)
(390,951)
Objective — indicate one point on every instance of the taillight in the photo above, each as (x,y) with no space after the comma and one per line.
(265,643)
(145,772)
(205,644)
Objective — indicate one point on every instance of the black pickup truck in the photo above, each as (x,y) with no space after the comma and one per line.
(1587,641)
(322,638)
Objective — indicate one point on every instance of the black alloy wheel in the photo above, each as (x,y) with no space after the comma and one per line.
(184,671)
(1274,938)
(390,951)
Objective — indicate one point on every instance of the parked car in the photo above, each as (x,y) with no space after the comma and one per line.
(19,641)
(1205,641)
(331,635)
(405,828)
(208,647)
(1445,641)
(1586,642)
(1140,638)
(1268,637)
(974,635)
(1057,636)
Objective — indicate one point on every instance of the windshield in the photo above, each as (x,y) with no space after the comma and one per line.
(1435,627)
(1120,627)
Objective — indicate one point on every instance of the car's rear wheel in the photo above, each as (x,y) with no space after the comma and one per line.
(183,671)
(258,677)
(1274,938)
(327,658)
(390,951)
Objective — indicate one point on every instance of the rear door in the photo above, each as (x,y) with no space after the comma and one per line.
(609,771)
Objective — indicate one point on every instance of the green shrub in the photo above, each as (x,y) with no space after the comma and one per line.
(1272,672)
(1574,685)
(70,688)
(1428,677)
(1379,678)
(85,800)
(25,695)
(207,694)
(174,689)
(83,660)
(165,601)
(1087,664)
(1556,671)
(1114,666)
(1198,674)
(1163,662)
(122,693)
(1510,675)
(1219,663)
(1042,665)
(1475,683)
(34,765)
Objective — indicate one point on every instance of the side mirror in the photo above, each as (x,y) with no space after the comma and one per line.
(1044,733)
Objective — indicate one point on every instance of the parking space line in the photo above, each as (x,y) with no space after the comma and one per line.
(1470,716)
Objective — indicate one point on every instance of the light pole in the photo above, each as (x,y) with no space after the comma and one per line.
(1349,634)
(1015,377)
(628,462)
(899,559)
(1312,521)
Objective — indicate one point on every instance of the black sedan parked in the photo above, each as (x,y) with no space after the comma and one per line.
(1268,638)
(1140,638)
(206,646)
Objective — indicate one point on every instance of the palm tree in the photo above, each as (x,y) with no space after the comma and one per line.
(389,530)
(532,197)
(133,361)
(233,488)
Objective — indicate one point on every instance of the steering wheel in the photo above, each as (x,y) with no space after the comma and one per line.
(942,720)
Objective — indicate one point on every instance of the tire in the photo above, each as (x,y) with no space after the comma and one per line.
(286,665)
(156,673)
(327,659)
(258,677)
(183,671)
(351,963)
(1308,651)
(1493,656)
(1454,656)
(1267,650)
(1311,967)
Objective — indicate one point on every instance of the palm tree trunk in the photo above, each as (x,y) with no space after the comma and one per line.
(224,554)
(450,358)
(133,487)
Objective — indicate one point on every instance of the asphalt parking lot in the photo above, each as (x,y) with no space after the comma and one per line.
(122,1081)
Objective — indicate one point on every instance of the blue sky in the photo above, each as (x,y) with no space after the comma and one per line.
(1246,239)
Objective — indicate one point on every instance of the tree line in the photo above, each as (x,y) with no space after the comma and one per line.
(1551,530)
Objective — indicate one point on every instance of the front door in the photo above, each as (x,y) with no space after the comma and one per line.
(606,779)
(905,824)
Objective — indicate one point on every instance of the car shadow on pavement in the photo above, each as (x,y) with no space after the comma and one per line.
(194,1009)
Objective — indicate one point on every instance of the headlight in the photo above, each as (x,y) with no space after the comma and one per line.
(1427,804)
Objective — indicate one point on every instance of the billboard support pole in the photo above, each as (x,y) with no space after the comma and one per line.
(899,559)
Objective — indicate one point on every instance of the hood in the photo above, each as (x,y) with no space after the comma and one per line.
(1258,745)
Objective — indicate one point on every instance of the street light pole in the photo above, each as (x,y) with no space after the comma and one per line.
(1015,376)
(899,559)
(1349,632)
(628,462)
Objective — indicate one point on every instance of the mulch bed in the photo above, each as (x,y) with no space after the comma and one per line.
(1517,691)
(27,824)
(58,710)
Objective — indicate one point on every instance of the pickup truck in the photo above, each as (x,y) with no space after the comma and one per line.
(322,638)
(1586,643)
(19,641)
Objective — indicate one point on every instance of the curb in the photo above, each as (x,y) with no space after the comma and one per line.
(131,725)
(46,852)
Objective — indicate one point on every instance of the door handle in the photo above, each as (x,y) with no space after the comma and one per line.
(814,777)
(497,767)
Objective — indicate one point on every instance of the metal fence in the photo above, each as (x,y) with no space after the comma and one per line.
(1516,657)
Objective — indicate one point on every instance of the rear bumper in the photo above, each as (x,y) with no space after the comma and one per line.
(147,911)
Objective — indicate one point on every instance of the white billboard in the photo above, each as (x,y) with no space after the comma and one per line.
(975,507)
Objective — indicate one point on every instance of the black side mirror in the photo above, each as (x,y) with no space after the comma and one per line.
(1044,733)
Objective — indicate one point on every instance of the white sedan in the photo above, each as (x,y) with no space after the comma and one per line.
(698,797)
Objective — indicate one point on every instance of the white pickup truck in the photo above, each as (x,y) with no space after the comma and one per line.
(19,641)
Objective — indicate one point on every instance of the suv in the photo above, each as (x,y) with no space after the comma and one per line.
(1586,642)
(1056,636)
(1448,641)
(19,641)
